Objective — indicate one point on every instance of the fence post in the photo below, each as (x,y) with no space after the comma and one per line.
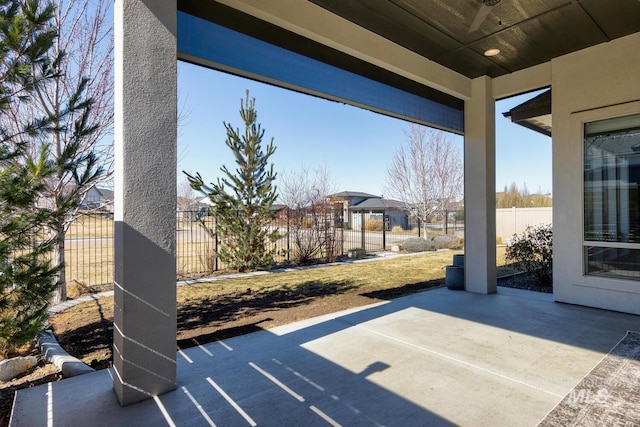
(288,235)
(215,240)
(342,239)
(362,230)
(419,227)
(384,231)
(446,222)
(192,239)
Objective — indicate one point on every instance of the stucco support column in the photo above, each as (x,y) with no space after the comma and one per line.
(479,189)
(144,356)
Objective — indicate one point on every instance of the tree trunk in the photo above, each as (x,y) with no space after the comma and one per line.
(446,223)
(59,259)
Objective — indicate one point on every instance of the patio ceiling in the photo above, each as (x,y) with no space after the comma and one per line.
(457,33)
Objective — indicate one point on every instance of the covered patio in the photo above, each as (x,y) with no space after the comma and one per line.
(435,358)
(441,64)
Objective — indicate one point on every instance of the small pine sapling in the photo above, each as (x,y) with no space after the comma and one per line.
(242,200)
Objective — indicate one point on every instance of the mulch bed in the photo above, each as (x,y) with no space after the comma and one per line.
(524,281)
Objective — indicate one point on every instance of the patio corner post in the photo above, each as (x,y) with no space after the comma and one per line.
(480,188)
(144,353)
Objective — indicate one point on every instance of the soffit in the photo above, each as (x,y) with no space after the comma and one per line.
(534,113)
(527,32)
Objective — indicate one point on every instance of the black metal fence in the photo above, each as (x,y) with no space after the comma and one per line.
(89,243)
(89,249)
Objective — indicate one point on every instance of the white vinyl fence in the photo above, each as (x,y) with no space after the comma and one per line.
(512,221)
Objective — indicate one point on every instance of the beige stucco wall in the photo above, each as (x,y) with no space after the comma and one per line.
(593,84)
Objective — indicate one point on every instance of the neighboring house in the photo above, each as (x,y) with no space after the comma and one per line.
(96,199)
(359,206)
(392,212)
(190,209)
(349,199)
(281,211)
(99,198)
(189,204)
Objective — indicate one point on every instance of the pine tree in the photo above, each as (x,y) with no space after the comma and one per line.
(27,166)
(241,201)
(80,58)
(27,278)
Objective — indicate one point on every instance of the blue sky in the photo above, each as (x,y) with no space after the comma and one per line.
(354,144)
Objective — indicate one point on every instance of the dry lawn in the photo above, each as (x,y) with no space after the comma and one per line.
(229,307)
(90,226)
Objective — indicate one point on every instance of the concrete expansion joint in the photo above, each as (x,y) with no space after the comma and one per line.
(457,360)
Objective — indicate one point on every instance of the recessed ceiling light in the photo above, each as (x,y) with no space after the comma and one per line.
(491,52)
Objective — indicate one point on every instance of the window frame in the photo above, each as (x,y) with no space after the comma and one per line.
(586,244)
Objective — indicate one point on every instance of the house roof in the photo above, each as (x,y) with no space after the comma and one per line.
(277,207)
(106,193)
(350,194)
(534,114)
(379,204)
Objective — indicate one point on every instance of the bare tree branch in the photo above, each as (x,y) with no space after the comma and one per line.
(187,197)
(426,173)
(312,225)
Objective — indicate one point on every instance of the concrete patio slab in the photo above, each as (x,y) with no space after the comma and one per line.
(435,358)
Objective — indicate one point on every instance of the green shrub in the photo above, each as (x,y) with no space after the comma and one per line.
(533,252)
(416,244)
